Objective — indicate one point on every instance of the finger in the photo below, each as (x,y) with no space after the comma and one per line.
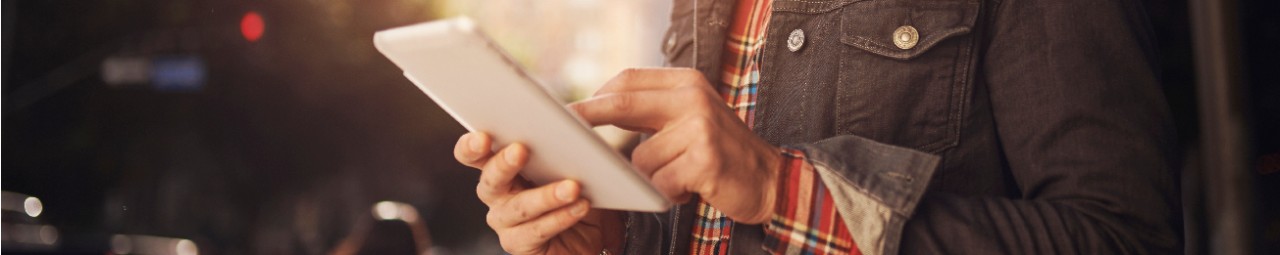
(472,149)
(497,179)
(660,149)
(645,111)
(672,180)
(640,79)
(537,231)
(532,203)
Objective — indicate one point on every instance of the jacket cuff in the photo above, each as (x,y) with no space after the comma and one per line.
(875,186)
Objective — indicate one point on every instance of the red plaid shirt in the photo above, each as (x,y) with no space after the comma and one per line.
(805,220)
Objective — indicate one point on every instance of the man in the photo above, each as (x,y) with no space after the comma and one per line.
(874,127)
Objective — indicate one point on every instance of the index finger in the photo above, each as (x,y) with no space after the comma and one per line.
(644,111)
(641,79)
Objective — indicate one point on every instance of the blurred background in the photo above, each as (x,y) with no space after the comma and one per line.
(274,127)
(266,127)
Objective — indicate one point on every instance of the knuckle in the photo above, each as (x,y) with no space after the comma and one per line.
(702,158)
(628,74)
(691,73)
(642,158)
(535,230)
(516,207)
(489,195)
(486,180)
(622,103)
(709,189)
(701,128)
(492,219)
(466,158)
(529,205)
(624,77)
(482,192)
(691,94)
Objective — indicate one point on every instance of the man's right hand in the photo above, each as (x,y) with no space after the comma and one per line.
(551,219)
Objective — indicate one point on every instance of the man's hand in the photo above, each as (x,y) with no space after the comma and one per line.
(698,144)
(551,219)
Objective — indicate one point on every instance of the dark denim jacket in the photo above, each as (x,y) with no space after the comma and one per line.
(1010,126)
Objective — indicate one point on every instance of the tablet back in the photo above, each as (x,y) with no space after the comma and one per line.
(468,76)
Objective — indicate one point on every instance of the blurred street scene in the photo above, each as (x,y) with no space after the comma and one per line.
(264,127)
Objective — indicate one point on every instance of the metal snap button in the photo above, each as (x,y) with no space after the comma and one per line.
(796,40)
(906,37)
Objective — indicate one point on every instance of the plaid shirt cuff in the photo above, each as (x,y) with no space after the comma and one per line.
(805,219)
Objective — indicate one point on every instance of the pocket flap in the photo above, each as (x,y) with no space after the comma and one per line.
(871,25)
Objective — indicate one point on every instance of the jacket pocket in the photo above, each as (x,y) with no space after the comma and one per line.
(905,71)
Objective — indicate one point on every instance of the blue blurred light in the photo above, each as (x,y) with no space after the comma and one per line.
(178,73)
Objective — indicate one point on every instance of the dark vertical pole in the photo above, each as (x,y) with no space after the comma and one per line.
(1224,129)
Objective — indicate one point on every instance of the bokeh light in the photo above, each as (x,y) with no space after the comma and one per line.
(251,26)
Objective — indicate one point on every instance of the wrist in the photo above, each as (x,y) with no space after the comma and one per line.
(776,184)
(790,161)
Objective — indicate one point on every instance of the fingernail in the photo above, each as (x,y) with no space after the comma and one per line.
(475,143)
(579,209)
(510,156)
(564,191)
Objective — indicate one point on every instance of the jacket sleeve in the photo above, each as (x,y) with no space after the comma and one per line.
(1084,130)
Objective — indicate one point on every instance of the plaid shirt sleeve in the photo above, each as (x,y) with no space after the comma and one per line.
(805,220)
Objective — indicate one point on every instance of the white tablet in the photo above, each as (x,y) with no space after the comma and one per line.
(472,79)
